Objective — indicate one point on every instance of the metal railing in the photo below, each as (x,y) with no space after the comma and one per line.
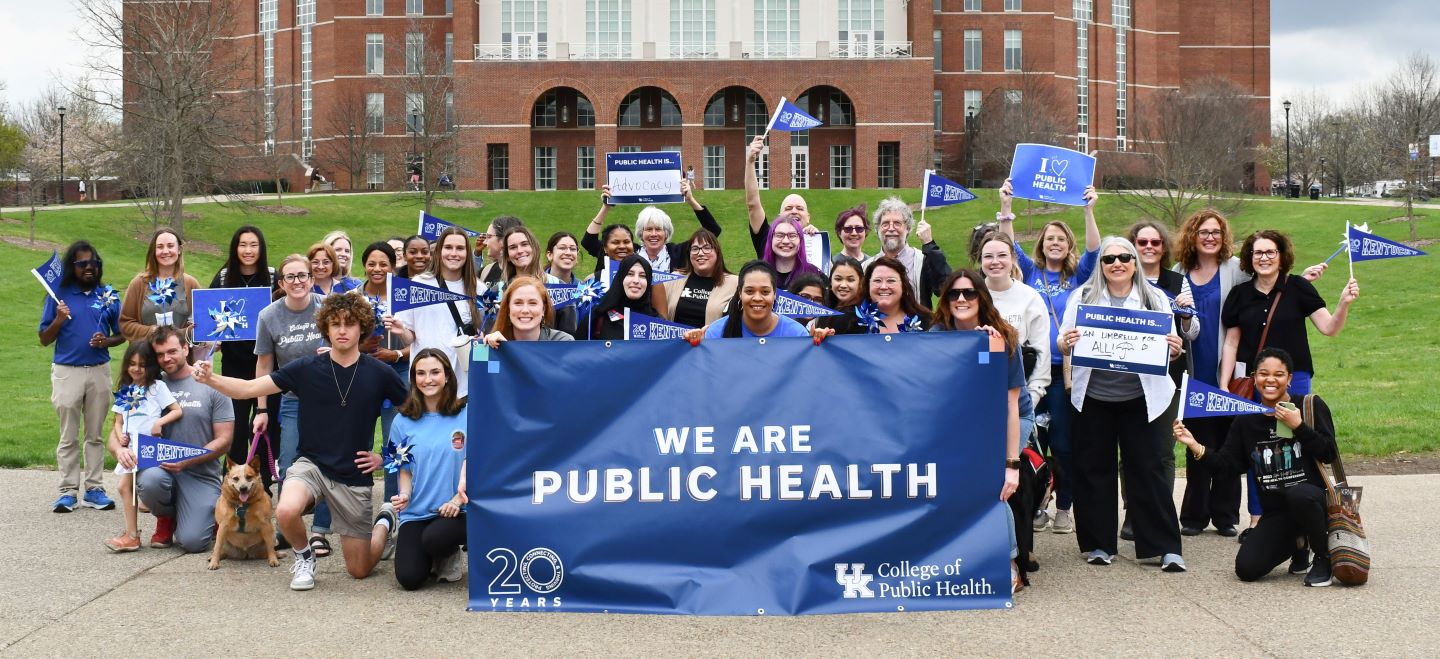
(511,51)
(783,50)
(872,49)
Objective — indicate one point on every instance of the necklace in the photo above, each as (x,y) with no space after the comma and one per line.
(343,396)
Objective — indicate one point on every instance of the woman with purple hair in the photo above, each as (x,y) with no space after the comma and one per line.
(785,250)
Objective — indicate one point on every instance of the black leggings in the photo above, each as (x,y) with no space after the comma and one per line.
(1296,511)
(421,543)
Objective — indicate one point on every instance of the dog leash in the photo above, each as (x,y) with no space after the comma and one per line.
(269,454)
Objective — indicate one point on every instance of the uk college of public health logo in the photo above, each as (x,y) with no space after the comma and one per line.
(855,580)
(541,572)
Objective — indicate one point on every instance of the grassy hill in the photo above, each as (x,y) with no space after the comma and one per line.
(1374,375)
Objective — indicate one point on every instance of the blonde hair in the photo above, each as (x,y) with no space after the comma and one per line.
(1071,260)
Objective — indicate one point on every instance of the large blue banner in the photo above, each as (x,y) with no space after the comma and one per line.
(739,477)
(1049,173)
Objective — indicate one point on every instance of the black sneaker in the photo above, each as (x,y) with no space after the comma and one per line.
(1227,531)
(1319,575)
(1127,532)
(1189,531)
(1300,561)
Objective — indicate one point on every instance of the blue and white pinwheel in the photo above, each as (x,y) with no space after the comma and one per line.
(229,318)
(869,316)
(587,293)
(380,309)
(162,292)
(107,300)
(129,397)
(396,455)
(912,324)
(490,304)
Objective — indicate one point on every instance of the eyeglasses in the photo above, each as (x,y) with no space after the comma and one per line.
(1149,242)
(1209,233)
(87,263)
(297,277)
(702,249)
(1111,258)
(955,294)
(1265,254)
(787,237)
(853,229)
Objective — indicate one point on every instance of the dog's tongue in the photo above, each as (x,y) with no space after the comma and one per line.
(244,496)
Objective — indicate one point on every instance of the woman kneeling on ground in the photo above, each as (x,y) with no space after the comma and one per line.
(430,509)
(1284,448)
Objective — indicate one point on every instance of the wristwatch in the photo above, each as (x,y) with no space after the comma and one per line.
(1012,463)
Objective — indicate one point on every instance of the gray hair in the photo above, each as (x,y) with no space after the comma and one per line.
(893,204)
(1150,297)
(652,216)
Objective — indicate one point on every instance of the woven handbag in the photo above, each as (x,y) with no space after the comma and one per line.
(1349,548)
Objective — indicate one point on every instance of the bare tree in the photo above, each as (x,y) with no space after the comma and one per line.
(349,123)
(86,125)
(176,59)
(1195,145)
(271,144)
(428,109)
(1405,110)
(1027,113)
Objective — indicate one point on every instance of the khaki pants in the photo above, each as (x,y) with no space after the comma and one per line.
(80,394)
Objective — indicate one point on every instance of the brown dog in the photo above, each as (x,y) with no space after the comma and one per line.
(243,517)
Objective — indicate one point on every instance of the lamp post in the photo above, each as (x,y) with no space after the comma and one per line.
(1339,177)
(62,154)
(1322,176)
(970,130)
(1287,148)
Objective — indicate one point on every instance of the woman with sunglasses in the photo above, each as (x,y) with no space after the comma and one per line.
(966,304)
(1121,409)
(852,227)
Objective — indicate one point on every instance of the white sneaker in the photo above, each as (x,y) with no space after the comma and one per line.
(304,570)
(387,512)
(1042,521)
(1064,522)
(451,568)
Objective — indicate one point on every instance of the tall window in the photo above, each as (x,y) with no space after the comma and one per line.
(449,7)
(777,28)
(523,25)
(585,168)
(607,27)
(1012,50)
(375,113)
(973,99)
(888,165)
(414,113)
(414,7)
(375,54)
(544,168)
(862,23)
(374,7)
(1084,13)
(269,10)
(546,113)
(305,20)
(375,170)
(938,49)
(449,53)
(584,112)
(498,157)
(414,52)
(1121,19)
(1012,5)
(757,116)
(972,5)
(714,167)
(449,111)
(939,124)
(972,50)
(692,28)
(840,167)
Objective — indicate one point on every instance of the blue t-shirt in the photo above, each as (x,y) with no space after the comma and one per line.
(341,285)
(784,329)
(1056,290)
(1205,349)
(72,344)
(434,460)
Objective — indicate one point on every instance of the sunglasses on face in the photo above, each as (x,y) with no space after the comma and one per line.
(1149,242)
(1111,258)
(853,230)
(955,294)
(87,263)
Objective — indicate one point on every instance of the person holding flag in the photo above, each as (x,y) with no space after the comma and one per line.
(143,404)
(630,290)
(161,294)
(792,204)
(81,320)
(1292,491)
(926,267)
(378,260)
(526,314)
(446,326)
(701,297)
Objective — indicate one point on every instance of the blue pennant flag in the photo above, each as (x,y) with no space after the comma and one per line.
(431,226)
(410,294)
(49,273)
(562,295)
(228,314)
(151,451)
(640,327)
(941,191)
(656,276)
(1370,247)
(790,117)
(791,305)
(1202,400)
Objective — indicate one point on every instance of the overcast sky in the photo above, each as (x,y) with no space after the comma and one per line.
(1336,46)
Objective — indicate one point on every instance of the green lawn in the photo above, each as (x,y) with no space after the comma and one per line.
(1373,374)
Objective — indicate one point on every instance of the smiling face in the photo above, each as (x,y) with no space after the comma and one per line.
(996,260)
(619,245)
(853,232)
(757,296)
(964,303)
(417,256)
(430,377)
(796,204)
(242,479)
(453,255)
(1150,245)
(87,268)
(813,293)
(321,267)
(342,252)
(173,355)
(1055,244)
(527,310)
(886,289)
(248,249)
(167,250)
(1272,380)
(518,250)
(564,256)
(653,237)
(845,284)
(295,279)
(1118,264)
(1265,258)
(377,265)
(635,282)
(785,241)
(702,258)
(893,231)
(1210,234)
(136,370)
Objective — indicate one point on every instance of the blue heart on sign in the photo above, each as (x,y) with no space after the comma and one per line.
(1057,167)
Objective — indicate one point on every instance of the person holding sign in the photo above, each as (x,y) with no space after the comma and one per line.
(526,314)
(83,330)
(887,305)
(614,240)
(247,266)
(751,313)
(1054,269)
(444,326)
(606,320)
(702,296)
(145,307)
(1291,491)
(149,408)
(1119,408)
(926,266)
(655,230)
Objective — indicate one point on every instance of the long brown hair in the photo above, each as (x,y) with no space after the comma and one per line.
(1072,258)
(909,302)
(989,314)
(1187,244)
(450,404)
(511,271)
(467,271)
(152,264)
(502,317)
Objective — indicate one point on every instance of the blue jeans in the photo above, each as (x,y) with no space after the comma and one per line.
(1299,386)
(1056,439)
(289,450)
(387,417)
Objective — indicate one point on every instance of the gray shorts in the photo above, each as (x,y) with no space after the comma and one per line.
(349,504)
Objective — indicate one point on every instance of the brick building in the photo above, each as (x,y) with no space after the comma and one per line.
(542,89)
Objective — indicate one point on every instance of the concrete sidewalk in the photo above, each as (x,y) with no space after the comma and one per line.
(65,595)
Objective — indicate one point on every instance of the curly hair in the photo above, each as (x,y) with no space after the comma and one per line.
(1282,245)
(1187,244)
(342,308)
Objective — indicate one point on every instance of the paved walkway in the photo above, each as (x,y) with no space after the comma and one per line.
(64,595)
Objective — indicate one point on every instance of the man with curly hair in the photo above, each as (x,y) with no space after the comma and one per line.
(340,393)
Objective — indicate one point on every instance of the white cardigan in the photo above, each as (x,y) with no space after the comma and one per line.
(1159,389)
